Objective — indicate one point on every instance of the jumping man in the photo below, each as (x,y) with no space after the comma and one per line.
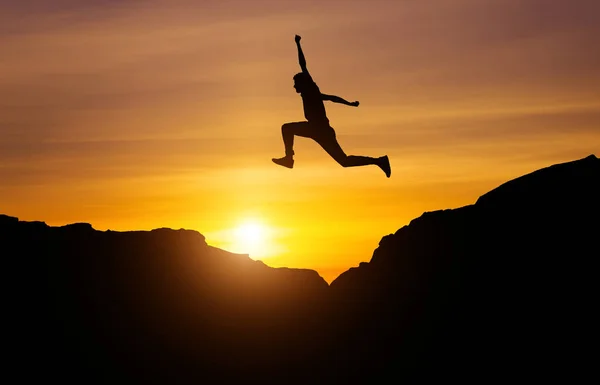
(317,125)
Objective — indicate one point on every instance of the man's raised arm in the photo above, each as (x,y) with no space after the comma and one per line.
(337,99)
(301,58)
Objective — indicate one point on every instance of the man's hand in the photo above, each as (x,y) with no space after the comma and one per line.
(355,104)
(297,38)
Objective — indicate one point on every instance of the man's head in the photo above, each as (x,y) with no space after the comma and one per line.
(301,82)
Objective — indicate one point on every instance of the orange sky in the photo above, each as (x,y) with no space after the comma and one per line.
(144,114)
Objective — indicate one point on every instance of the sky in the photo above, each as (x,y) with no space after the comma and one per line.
(135,115)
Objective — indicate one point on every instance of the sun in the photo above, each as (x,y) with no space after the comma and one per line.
(251,237)
(250,233)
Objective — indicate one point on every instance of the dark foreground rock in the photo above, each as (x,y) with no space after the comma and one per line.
(504,288)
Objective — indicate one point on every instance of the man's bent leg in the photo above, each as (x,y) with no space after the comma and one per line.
(288,130)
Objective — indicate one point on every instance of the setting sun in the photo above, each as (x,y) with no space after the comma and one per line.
(250,235)
(255,237)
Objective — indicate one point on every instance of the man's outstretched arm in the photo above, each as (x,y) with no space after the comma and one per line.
(301,58)
(337,99)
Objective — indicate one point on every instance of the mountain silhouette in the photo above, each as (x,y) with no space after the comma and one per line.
(504,288)
(501,287)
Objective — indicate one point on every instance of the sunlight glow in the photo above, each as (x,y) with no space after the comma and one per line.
(250,234)
(251,237)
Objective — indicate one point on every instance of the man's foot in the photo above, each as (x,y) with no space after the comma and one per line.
(286,161)
(384,164)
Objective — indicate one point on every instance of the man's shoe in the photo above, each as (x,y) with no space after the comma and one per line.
(384,163)
(285,161)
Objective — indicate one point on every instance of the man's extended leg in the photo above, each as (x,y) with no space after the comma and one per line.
(288,130)
(333,148)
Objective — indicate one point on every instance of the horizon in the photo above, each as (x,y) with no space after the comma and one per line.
(134,116)
(248,229)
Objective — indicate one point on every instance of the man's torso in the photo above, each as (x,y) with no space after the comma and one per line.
(314,109)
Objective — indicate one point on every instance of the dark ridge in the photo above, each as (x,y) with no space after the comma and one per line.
(502,289)
(560,181)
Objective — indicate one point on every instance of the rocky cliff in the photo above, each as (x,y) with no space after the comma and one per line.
(502,288)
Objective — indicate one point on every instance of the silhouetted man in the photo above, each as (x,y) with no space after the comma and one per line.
(317,125)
